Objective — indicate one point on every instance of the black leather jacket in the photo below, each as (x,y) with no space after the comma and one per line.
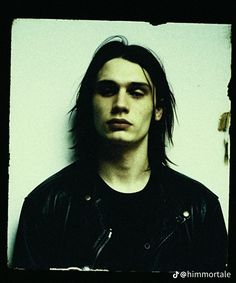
(61,225)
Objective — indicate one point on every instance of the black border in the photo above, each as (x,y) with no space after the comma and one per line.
(193,12)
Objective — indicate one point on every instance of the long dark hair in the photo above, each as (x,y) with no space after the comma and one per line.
(85,139)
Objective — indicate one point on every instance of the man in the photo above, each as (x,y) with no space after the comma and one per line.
(119,207)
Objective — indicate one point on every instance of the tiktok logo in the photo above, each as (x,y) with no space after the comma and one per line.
(175,275)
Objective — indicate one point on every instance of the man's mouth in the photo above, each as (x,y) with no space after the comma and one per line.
(119,124)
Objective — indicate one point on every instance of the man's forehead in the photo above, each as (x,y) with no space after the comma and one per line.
(124,72)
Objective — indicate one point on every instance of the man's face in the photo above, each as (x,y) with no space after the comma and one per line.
(122,102)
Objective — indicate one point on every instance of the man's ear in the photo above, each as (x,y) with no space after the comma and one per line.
(158,114)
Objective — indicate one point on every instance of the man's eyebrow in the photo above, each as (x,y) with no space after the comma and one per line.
(106,82)
(130,84)
(140,85)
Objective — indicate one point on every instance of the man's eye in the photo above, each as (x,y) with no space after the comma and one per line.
(136,93)
(106,90)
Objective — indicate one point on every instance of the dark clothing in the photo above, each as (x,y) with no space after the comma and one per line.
(74,219)
(131,217)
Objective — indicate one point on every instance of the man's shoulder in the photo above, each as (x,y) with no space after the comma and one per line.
(181,184)
(62,181)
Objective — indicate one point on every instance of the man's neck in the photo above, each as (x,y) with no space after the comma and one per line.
(125,168)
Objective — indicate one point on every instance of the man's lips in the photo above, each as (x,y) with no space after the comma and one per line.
(118,121)
(118,124)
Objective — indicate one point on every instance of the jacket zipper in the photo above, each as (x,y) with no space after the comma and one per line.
(102,245)
(182,221)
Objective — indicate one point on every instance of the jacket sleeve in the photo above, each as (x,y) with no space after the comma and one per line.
(40,231)
(212,245)
(37,238)
(22,255)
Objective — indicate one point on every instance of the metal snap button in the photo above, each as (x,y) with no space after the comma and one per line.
(87,197)
(147,246)
(186,214)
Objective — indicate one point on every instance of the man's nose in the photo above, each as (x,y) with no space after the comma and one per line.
(121,101)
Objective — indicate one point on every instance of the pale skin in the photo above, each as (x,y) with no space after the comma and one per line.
(124,92)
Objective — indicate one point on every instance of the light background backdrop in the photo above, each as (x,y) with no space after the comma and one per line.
(48,60)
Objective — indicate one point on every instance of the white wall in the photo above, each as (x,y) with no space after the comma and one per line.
(49,58)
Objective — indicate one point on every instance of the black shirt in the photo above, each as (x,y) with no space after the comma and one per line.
(131,218)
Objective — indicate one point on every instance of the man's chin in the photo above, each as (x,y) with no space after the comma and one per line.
(120,142)
(123,142)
